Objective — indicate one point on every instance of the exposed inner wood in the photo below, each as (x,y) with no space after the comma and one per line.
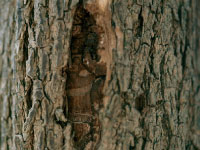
(86,78)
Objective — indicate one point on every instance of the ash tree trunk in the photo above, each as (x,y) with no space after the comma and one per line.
(99,74)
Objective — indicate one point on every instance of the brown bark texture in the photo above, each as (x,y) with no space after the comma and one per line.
(100,75)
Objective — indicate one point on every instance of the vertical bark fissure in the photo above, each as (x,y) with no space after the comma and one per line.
(85,79)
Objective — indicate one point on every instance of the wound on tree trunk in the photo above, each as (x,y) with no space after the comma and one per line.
(86,76)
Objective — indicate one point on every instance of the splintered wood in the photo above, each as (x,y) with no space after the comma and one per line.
(86,77)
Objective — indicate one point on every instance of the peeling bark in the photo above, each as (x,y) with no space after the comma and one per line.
(99,74)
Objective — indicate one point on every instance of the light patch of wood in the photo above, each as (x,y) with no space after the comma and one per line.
(105,101)
(104,56)
(80,91)
(103,4)
(120,39)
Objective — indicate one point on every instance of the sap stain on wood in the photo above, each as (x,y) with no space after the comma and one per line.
(86,77)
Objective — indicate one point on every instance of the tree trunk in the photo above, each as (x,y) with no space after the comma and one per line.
(100,74)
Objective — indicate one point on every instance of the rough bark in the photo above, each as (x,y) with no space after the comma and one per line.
(7,38)
(130,81)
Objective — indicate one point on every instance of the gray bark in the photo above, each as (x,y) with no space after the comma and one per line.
(151,94)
